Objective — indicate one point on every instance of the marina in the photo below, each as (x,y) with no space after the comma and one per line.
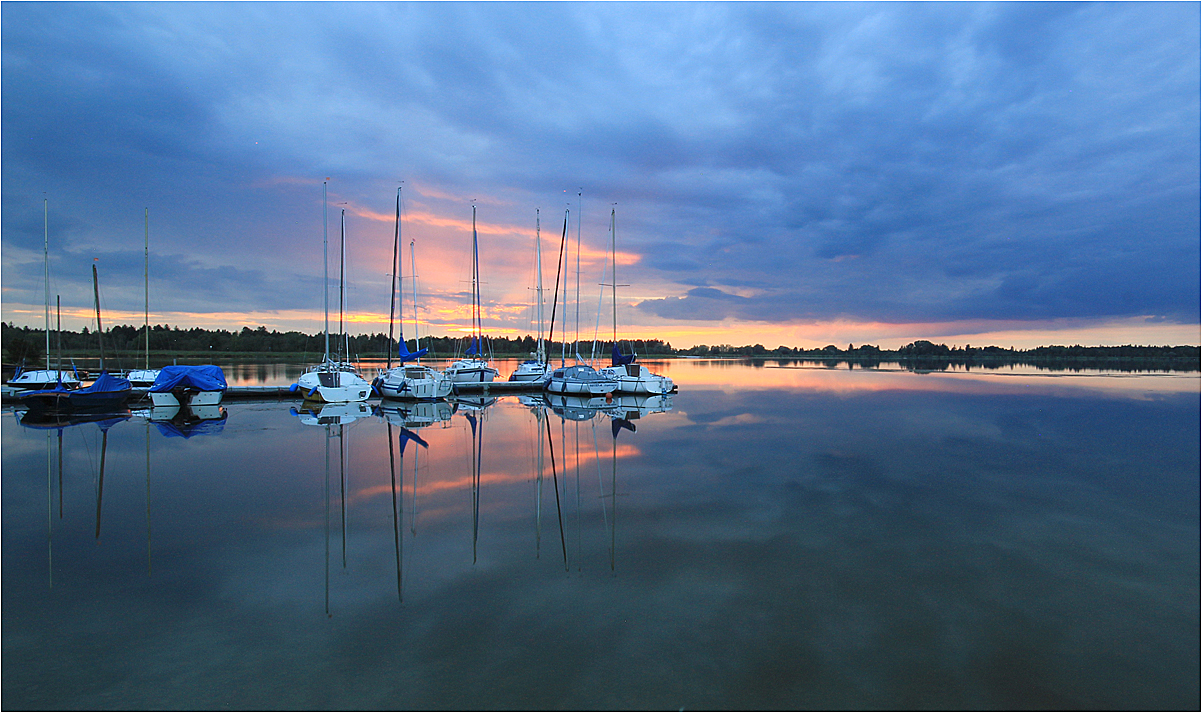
(864,374)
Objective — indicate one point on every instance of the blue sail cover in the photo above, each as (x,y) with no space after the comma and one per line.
(206,378)
(405,355)
(618,359)
(473,349)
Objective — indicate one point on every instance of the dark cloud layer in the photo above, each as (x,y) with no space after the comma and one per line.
(890,162)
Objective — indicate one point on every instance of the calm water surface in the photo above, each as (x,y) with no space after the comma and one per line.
(775,537)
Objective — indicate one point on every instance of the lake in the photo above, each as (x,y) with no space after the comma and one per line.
(778,536)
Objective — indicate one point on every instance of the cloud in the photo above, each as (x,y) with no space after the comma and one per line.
(805,162)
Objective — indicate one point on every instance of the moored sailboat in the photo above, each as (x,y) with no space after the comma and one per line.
(107,393)
(33,379)
(416,381)
(580,378)
(632,377)
(145,378)
(333,380)
(474,367)
(535,369)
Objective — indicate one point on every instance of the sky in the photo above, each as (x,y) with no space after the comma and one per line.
(797,174)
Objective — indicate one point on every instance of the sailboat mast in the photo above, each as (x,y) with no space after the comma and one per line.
(392,291)
(58,303)
(476,285)
(99,329)
(576,349)
(46,265)
(342,263)
(325,270)
(555,295)
(614,274)
(413,276)
(146,280)
(541,351)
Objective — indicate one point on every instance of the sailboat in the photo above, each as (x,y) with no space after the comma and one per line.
(632,378)
(107,393)
(145,378)
(580,378)
(474,368)
(416,381)
(45,378)
(535,370)
(333,380)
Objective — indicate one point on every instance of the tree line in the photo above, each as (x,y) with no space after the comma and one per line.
(24,345)
(27,345)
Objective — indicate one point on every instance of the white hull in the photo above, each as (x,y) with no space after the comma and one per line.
(530,372)
(334,385)
(142,378)
(194,399)
(580,380)
(588,389)
(44,379)
(636,379)
(421,383)
(470,371)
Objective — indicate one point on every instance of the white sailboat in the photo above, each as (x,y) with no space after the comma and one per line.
(415,381)
(45,378)
(632,377)
(474,368)
(535,369)
(580,378)
(145,378)
(333,380)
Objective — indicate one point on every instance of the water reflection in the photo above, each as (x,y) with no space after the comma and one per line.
(483,448)
(325,413)
(186,421)
(723,548)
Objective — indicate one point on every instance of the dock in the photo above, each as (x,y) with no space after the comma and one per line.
(8,395)
(497,388)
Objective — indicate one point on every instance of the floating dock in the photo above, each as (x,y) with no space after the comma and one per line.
(8,395)
(496,387)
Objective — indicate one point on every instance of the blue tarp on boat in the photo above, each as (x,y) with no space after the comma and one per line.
(618,359)
(106,383)
(205,377)
(107,392)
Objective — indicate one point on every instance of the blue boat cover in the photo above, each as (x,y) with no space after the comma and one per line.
(405,355)
(106,383)
(618,359)
(205,377)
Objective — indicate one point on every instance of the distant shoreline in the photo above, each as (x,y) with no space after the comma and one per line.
(124,347)
(1130,363)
